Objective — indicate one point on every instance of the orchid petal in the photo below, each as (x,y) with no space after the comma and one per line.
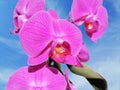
(35,6)
(72,60)
(83,54)
(53,14)
(81,8)
(38,59)
(95,4)
(42,79)
(35,36)
(29,7)
(26,8)
(102,18)
(72,35)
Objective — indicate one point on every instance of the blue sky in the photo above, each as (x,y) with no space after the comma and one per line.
(104,55)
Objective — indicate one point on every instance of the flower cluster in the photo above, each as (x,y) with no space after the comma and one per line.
(48,40)
(92,14)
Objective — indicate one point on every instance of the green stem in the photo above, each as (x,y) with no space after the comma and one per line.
(58,66)
(96,80)
(55,64)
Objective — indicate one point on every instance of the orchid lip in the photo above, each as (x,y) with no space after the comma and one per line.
(60,51)
(91,24)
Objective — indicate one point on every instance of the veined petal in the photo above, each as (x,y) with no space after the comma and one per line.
(24,10)
(35,6)
(81,8)
(95,4)
(41,79)
(21,7)
(29,7)
(83,55)
(35,35)
(72,60)
(53,14)
(102,18)
(38,59)
(20,21)
(71,34)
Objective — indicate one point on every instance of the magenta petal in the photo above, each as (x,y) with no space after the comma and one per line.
(102,18)
(72,60)
(38,59)
(24,10)
(81,8)
(95,4)
(20,7)
(42,79)
(21,20)
(53,14)
(35,35)
(72,35)
(29,7)
(35,6)
(83,54)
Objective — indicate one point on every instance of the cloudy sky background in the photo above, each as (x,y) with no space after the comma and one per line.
(104,55)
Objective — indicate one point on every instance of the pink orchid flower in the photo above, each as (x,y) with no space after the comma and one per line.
(92,14)
(44,36)
(24,10)
(37,78)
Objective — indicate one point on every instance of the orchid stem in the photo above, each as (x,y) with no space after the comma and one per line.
(55,64)
(58,66)
(96,80)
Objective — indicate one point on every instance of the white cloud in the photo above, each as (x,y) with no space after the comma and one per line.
(109,68)
(5,73)
(80,82)
(12,43)
(113,30)
(105,58)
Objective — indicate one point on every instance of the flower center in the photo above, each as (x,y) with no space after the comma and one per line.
(60,51)
(91,25)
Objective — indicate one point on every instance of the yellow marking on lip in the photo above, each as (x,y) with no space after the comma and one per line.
(89,26)
(59,50)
